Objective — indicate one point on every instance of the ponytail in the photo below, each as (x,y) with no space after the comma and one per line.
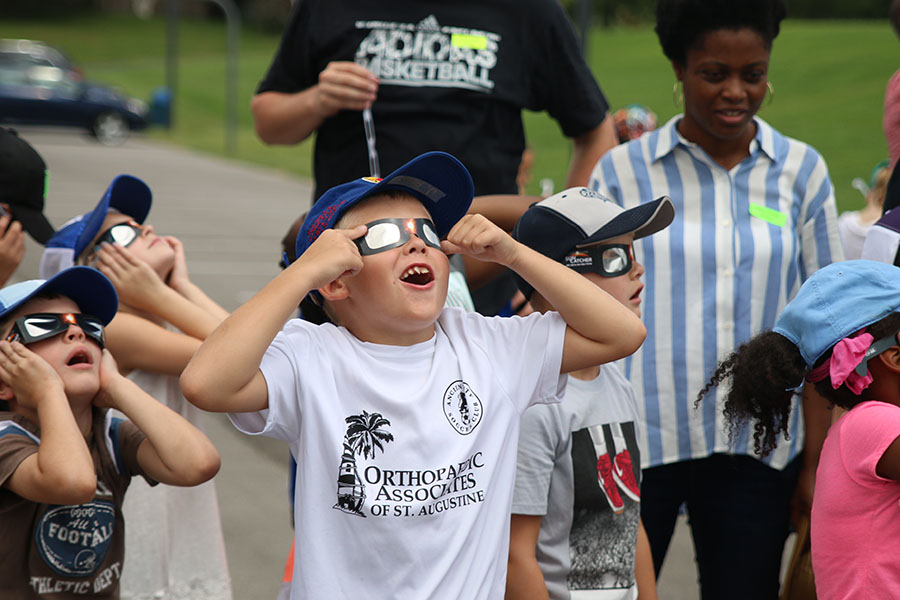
(764,374)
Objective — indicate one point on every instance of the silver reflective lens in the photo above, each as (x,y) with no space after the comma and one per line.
(92,326)
(614,260)
(38,326)
(123,234)
(382,234)
(431,235)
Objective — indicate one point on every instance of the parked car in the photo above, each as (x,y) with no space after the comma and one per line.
(40,86)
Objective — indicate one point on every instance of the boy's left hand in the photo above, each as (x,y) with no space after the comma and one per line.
(178,277)
(476,236)
(109,375)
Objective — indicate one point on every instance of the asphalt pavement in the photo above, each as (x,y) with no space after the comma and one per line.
(231,218)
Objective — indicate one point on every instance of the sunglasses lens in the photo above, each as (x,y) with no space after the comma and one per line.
(382,234)
(92,326)
(37,326)
(123,234)
(431,236)
(615,260)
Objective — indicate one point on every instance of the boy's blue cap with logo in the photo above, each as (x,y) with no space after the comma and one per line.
(87,287)
(126,194)
(837,301)
(580,217)
(437,179)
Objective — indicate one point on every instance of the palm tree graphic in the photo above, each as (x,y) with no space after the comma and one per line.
(364,435)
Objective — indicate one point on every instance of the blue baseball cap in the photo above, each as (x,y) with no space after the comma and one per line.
(437,179)
(126,194)
(837,301)
(87,287)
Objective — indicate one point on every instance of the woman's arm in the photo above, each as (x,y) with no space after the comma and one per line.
(587,150)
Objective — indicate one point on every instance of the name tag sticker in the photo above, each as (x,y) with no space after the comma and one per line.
(467,40)
(769,215)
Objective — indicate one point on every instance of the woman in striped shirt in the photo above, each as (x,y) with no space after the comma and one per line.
(755,216)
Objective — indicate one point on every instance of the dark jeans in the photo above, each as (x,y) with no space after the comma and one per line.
(738,511)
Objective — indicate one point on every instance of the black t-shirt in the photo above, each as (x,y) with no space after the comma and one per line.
(454,76)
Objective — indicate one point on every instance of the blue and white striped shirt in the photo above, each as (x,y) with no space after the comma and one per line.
(742,242)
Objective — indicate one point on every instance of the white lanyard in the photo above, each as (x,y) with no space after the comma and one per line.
(369,126)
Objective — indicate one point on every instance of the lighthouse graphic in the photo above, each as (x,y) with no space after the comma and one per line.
(366,434)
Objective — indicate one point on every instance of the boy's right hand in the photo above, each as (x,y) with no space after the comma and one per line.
(332,256)
(29,375)
(135,281)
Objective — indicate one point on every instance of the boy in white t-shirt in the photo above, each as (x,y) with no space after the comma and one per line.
(575,528)
(403,416)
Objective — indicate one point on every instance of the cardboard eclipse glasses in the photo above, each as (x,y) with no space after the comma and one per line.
(607,260)
(40,326)
(385,234)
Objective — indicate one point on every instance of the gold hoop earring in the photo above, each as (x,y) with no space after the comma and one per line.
(771,89)
(677,95)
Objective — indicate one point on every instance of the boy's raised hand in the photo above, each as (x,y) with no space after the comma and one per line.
(30,376)
(476,236)
(135,281)
(109,376)
(178,277)
(333,255)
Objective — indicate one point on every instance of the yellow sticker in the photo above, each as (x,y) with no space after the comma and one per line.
(769,215)
(466,40)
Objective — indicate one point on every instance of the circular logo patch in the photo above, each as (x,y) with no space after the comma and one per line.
(73,540)
(462,407)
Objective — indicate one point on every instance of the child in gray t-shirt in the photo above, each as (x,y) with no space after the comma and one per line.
(575,526)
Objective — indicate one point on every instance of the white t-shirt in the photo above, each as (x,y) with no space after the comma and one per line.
(406,454)
(588,538)
(853,234)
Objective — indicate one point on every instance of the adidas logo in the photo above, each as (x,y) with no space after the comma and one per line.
(429,23)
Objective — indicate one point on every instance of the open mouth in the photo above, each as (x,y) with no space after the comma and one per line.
(81,357)
(637,294)
(417,275)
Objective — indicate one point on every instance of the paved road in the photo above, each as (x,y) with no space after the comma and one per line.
(231,218)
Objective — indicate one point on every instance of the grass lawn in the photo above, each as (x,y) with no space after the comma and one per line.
(829,78)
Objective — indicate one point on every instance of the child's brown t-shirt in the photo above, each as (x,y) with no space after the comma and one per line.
(52,551)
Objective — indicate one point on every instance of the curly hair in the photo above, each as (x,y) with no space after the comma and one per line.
(764,374)
(681,24)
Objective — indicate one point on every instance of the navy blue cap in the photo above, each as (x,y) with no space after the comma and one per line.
(127,194)
(87,287)
(837,301)
(580,217)
(437,179)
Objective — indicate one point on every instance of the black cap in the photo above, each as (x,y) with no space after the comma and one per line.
(23,175)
